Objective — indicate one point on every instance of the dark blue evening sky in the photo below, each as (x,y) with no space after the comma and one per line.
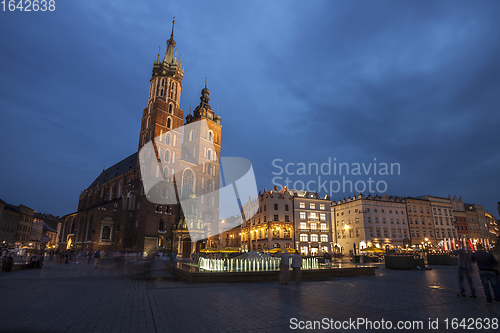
(408,82)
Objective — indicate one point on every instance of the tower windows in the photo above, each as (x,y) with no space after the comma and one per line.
(169,123)
(160,138)
(163,82)
(167,139)
(209,154)
(167,156)
(161,92)
(166,173)
(191,136)
(172,90)
(188,183)
(170,108)
(148,122)
(210,136)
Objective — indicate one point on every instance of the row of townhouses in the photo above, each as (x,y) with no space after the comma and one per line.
(22,227)
(313,225)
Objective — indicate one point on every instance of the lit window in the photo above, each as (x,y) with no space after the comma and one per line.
(312,206)
(303,225)
(302,215)
(322,206)
(314,238)
(324,238)
(303,237)
(302,205)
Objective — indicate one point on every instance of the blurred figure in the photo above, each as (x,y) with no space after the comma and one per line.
(284,268)
(97,256)
(296,265)
(327,257)
(486,264)
(465,270)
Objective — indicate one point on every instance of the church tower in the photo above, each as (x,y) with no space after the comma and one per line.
(163,112)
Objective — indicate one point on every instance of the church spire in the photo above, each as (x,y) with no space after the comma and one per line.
(169,54)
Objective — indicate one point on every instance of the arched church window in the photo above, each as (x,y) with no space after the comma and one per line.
(162,82)
(209,154)
(170,108)
(119,194)
(106,232)
(90,228)
(167,139)
(172,90)
(161,92)
(161,227)
(187,183)
(166,173)
(210,136)
(148,122)
(191,135)
(169,122)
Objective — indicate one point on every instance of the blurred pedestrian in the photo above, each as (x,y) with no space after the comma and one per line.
(284,268)
(486,264)
(465,271)
(97,256)
(173,260)
(296,265)
(327,257)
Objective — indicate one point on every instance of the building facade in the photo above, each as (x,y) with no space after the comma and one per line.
(361,222)
(272,225)
(313,223)
(120,212)
(420,221)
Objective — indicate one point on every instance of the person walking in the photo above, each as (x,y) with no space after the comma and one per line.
(296,265)
(173,262)
(102,259)
(465,271)
(486,264)
(327,257)
(284,268)
(97,256)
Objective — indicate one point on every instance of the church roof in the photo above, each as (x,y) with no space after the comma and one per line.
(47,227)
(116,170)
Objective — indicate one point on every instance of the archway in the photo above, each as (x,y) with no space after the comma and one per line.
(186,247)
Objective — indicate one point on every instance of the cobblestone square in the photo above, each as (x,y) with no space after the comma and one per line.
(78,298)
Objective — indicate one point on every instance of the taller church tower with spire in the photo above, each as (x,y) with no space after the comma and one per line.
(191,150)
(117,212)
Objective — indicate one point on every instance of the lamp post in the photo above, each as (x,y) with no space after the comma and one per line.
(425,246)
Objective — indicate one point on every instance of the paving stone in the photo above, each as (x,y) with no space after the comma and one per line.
(78,298)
